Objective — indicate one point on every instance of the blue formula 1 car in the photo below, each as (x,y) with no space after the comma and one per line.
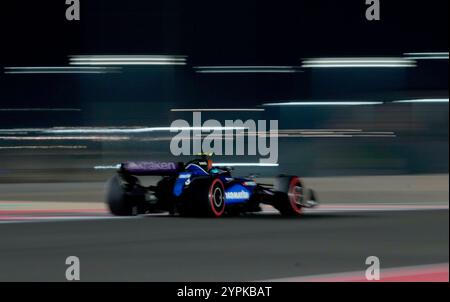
(200,189)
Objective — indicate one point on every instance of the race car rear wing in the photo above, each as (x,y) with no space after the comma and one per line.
(151,168)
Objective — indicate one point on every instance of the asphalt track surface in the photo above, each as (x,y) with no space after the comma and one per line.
(35,244)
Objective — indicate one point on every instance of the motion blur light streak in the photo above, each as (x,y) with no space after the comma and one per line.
(427,55)
(39,109)
(318,130)
(323,104)
(337,135)
(93,134)
(131,60)
(293,133)
(128,58)
(60,138)
(247,69)
(377,65)
(41,147)
(244,165)
(60,70)
(28,130)
(343,103)
(358,63)
(424,101)
(123,63)
(20,130)
(135,130)
(114,167)
(218,110)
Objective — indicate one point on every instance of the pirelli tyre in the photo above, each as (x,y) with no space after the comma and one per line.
(125,197)
(207,197)
(289,195)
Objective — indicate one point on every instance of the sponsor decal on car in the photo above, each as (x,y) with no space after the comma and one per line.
(242,195)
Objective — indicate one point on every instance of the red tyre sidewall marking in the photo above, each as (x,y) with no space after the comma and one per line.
(292,185)
(211,200)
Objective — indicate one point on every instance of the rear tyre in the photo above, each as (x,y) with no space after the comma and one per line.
(125,198)
(289,196)
(208,198)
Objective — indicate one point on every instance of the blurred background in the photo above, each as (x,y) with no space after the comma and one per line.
(365,117)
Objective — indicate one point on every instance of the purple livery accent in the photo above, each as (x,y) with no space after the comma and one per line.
(151,168)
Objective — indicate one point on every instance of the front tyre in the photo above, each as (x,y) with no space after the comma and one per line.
(289,196)
(208,199)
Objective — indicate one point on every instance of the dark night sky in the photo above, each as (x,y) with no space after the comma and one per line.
(220,32)
(245,32)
